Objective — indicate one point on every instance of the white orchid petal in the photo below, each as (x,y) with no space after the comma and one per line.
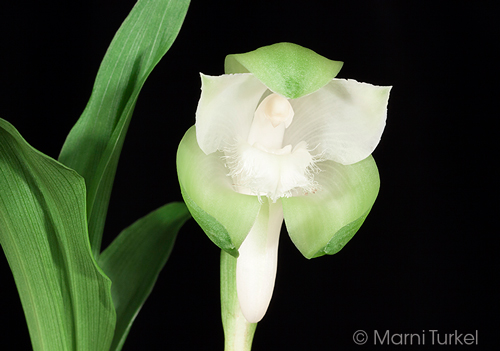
(226,109)
(257,263)
(344,120)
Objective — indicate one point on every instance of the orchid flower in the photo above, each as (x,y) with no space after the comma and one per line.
(279,138)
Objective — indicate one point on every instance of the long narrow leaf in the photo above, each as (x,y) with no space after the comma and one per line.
(134,260)
(94,144)
(43,233)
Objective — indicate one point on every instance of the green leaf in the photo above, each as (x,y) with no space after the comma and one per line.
(323,222)
(134,260)
(43,233)
(285,68)
(94,144)
(225,215)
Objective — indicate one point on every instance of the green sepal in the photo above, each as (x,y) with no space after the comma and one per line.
(287,69)
(342,237)
(323,222)
(224,215)
(214,230)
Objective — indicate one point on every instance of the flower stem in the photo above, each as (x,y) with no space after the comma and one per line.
(238,332)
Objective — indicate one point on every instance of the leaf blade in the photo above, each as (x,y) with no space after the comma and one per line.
(134,260)
(93,146)
(43,233)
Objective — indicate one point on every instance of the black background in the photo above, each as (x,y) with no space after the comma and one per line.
(426,257)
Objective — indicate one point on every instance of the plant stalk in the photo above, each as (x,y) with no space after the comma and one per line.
(238,332)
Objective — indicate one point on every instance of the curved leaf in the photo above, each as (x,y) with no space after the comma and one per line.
(134,260)
(93,146)
(43,233)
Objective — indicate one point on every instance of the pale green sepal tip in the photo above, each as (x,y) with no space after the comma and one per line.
(342,237)
(225,215)
(214,230)
(287,69)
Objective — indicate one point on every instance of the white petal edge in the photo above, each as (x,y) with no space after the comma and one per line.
(257,262)
(226,109)
(343,121)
